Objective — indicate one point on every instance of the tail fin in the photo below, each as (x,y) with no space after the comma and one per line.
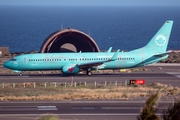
(158,44)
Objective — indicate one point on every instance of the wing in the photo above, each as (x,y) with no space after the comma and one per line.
(100,62)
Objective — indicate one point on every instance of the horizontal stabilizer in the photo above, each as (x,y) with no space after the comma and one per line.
(154,58)
(162,54)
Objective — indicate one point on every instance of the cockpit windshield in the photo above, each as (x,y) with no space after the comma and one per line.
(13,59)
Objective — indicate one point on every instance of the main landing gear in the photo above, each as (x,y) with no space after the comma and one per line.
(88,72)
(20,74)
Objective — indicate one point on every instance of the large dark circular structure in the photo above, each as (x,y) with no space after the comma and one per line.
(69,40)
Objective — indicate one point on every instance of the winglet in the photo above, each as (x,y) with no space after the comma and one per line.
(110,49)
(115,56)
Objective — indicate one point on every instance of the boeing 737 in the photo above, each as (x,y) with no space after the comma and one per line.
(73,63)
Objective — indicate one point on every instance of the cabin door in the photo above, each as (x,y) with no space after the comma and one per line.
(142,59)
(25,60)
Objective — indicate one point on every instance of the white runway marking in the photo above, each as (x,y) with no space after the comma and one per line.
(27,108)
(176,74)
(47,108)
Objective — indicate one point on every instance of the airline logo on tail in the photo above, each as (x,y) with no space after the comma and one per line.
(160,40)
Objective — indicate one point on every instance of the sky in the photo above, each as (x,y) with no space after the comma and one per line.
(93,2)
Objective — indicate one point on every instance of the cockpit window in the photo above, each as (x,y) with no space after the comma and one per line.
(13,59)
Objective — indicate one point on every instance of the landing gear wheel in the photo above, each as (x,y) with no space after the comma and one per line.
(20,74)
(89,73)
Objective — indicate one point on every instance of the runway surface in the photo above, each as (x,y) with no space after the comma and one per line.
(83,110)
(171,78)
(88,110)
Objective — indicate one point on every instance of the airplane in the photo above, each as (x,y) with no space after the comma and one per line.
(73,63)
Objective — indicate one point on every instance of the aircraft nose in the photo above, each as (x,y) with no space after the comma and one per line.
(6,64)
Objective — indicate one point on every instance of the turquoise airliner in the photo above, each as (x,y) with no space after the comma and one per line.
(73,63)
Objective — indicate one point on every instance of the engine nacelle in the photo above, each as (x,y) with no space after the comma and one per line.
(70,69)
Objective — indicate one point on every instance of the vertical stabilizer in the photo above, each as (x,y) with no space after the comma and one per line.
(158,44)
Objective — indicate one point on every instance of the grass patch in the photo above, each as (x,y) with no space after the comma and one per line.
(86,93)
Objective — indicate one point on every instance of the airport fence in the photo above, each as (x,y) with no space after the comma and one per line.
(62,84)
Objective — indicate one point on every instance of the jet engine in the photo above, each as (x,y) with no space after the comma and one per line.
(70,69)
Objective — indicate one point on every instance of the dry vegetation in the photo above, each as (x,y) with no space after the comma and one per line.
(174,57)
(85,93)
